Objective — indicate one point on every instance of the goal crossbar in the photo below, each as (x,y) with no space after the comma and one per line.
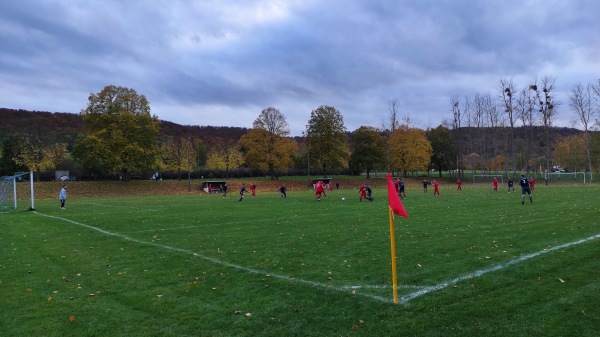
(487,178)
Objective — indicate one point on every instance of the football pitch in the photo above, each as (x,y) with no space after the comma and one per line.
(470,263)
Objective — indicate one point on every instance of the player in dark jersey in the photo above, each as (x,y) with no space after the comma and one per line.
(524,182)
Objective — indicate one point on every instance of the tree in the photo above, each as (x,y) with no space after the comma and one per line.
(178,154)
(443,149)
(272,121)
(326,138)
(225,155)
(581,101)
(456,127)
(201,153)
(569,153)
(8,165)
(266,145)
(265,150)
(507,91)
(525,107)
(369,150)
(119,134)
(410,150)
(546,112)
(36,153)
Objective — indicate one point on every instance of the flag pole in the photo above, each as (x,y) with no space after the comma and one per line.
(393,244)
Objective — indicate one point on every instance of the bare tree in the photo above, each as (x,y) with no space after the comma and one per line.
(546,112)
(456,126)
(507,90)
(582,104)
(392,124)
(273,121)
(480,103)
(525,105)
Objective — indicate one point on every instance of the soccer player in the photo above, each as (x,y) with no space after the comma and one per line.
(369,191)
(425,183)
(532,183)
(495,182)
(511,185)
(459,185)
(362,191)
(62,196)
(320,189)
(402,193)
(242,191)
(253,189)
(436,187)
(225,190)
(524,182)
(282,191)
(209,188)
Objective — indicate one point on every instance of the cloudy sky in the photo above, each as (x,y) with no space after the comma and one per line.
(221,62)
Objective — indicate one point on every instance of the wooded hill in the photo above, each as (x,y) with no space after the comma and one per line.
(65,127)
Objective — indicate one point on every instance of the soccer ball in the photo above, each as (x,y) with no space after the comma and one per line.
(343,198)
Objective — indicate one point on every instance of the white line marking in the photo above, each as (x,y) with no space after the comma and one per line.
(481,272)
(403,299)
(220,262)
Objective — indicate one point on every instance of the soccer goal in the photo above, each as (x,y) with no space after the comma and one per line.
(564,176)
(487,178)
(8,188)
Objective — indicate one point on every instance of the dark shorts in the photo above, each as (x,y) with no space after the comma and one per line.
(525,190)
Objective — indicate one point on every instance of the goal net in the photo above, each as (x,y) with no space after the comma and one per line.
(564,176)
(8,189)
(487,178)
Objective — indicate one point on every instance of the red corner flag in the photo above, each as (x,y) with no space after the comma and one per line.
(393,199)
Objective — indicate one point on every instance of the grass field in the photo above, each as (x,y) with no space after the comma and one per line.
(470,263)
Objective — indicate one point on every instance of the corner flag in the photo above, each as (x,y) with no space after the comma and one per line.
(394,201)
(395,207)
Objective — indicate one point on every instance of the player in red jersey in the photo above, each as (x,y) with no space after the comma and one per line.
(495,182)
(436,187)
(459,185)
(532,183)
(320,190)
(362,190)
(253,189)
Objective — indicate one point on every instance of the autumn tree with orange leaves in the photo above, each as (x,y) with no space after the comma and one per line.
(119,134)
(409,150)
(266,146)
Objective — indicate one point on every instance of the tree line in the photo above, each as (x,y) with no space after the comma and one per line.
(118,137)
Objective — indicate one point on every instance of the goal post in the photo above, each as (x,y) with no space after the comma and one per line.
(564,176)
(487,178)
(8,188)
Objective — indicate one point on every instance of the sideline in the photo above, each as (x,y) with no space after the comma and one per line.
(345,289)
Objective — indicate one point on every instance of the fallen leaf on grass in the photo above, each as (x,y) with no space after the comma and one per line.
(355,327)
(248,314)
(71,318)
(561,280)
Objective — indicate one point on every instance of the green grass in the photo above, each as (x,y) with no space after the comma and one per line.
(196,265)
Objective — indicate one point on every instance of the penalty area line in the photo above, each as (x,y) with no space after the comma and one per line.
(221,262)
